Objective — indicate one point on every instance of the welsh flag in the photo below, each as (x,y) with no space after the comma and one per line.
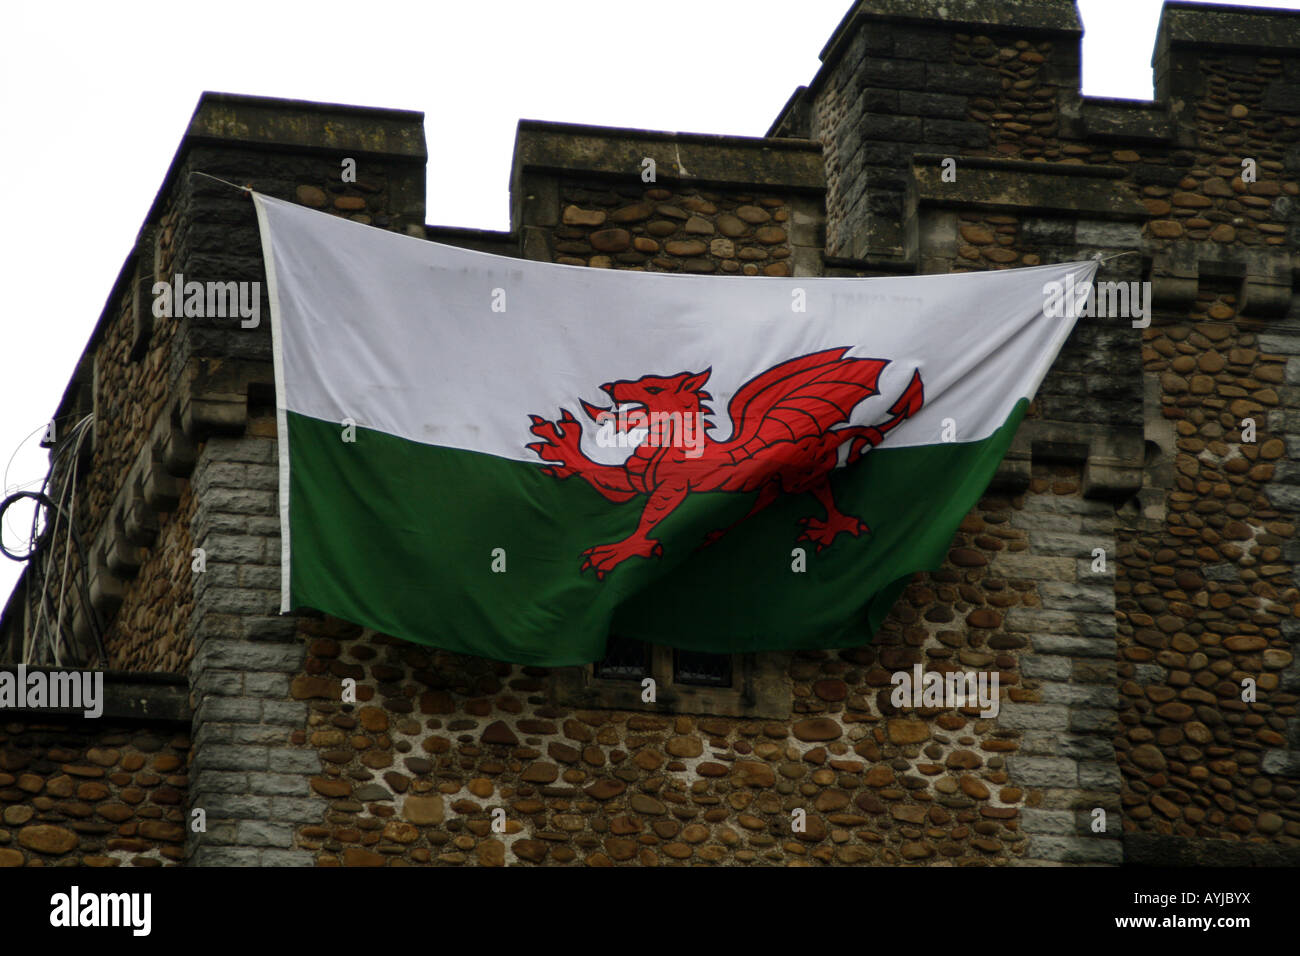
(516,459)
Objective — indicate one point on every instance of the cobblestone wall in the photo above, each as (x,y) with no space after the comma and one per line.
(688,230)
(149,631)
(899,89)
(82,794)
(1207,598)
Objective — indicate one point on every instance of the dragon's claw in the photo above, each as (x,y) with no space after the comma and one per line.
(558,443)
(823,533)
(603,558)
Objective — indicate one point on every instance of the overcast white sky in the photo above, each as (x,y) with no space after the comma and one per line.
(96,97)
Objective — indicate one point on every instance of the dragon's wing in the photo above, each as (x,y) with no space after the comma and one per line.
(801,398)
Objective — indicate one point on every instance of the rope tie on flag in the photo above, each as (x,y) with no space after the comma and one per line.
(246,189)
(1097,257)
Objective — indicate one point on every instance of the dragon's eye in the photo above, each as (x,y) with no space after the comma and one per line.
(653,389)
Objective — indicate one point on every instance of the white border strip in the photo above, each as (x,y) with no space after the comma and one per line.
(281,419)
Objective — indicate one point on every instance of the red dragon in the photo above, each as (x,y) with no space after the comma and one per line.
(784,441)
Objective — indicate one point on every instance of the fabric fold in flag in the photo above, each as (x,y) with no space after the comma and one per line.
(515,459)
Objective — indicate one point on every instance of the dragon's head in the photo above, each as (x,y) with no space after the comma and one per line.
(683,392)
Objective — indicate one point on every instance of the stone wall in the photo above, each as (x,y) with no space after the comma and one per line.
(1207,597)
(106,791)
(895,85)
(149,631)
(697,231)
(113,797)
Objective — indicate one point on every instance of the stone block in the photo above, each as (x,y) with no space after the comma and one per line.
(235,549)
(225,683)
(894,74)
(1087,695)
(941,105)
(1279,343)
(295,761)
(267,685)
(234,806)
(1086,748)
(1043,771)
(874,100)
(892,127)
(288,858)
(1068,596)
(1098,775)
(1018,716)
(221,856)
(945,133)
(1100,234)
(1087,720)
(288,713)
(1058,822)
(223,448)
(216,756)
(1045,668)
(278,785)
(218,781)
(963,80)
(228,709)
(244,656)
(1099,848)
(297,809)
(261,833)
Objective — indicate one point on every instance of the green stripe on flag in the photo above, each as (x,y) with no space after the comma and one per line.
(399,536)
